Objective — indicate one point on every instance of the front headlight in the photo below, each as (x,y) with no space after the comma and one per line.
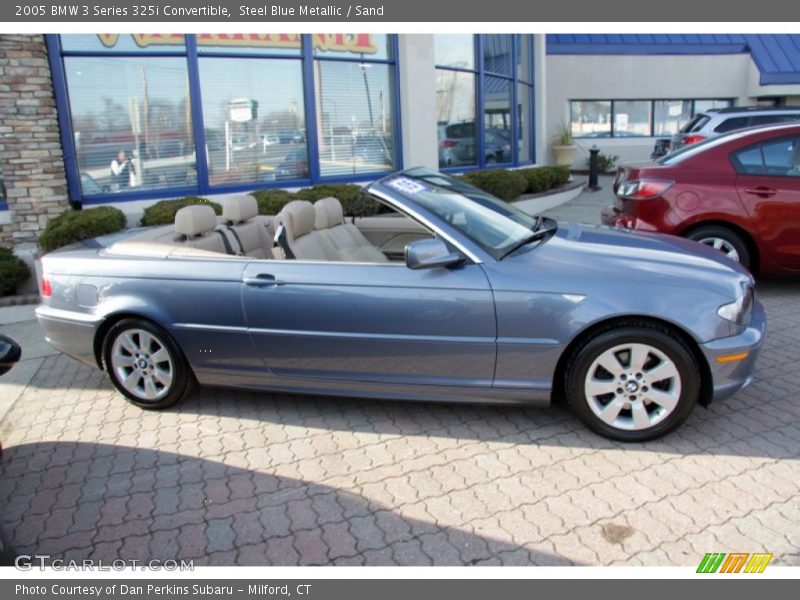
(738,311)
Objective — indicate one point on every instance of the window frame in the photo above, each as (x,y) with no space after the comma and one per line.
(189,51)
(480,73)
(652,102)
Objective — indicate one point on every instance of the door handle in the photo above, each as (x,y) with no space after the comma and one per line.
(263,280)
(764,192)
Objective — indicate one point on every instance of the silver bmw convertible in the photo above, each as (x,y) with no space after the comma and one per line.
(451,295)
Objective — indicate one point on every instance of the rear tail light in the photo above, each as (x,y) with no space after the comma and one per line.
(47,290)
(643,189)
(448,144)
(693,138)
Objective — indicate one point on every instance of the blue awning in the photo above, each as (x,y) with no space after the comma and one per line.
(777,56)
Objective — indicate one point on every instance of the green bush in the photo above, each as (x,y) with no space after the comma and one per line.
(13,271)
(561,174)
(270,202)
(605,162)
(163,213)
(354,202)
(76,225)
(506,185)
(541,179)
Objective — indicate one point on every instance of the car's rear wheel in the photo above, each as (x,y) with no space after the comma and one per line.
(725,240)
(145,364)
(632,383)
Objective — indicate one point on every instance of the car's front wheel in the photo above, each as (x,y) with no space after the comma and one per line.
(145,364)
(632,383)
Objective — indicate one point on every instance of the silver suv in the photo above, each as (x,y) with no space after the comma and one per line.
(717,121)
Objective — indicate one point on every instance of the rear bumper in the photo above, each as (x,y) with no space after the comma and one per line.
(610,215)
(614,217)
(730,377)
(70,332)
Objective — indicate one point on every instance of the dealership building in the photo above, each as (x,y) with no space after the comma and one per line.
(127,119)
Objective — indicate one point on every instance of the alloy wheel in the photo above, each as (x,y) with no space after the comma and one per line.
(142,364)
(632,386)
(723,245)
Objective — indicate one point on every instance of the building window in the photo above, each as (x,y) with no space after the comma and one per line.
(131,123)
(591,118)
(636,118)
(491,76)
(670,116)
(158,115)
(354,117)
(254,120)
(632,118)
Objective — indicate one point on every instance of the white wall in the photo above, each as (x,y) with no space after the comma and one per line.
(417,76)
(608,77)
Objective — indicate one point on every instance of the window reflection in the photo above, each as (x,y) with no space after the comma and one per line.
(254,120)
(131,121)
(497,121)
(455,118)
(354,117)
(591,118)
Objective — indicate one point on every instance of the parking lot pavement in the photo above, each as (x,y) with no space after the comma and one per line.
(231,477)
(586,207)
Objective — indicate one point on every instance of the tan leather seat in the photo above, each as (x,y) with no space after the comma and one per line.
(195,224)
(348,242)
(248,233)
(297,219)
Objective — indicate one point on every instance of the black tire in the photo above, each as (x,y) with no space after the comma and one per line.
(182,380)
(660,339)
(708,232)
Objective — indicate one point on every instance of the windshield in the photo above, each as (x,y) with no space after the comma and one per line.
(494,225)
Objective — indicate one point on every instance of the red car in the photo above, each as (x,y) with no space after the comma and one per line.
(739,193)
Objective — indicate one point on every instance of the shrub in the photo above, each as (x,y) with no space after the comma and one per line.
(76,225)
(163,213)
(561,174)
(270,202)
(541,179)
(537,179)
(13,271)
(506,185)
(355,202)
(605,162)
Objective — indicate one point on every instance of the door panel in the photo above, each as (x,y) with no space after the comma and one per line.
(768,184)
(363,322)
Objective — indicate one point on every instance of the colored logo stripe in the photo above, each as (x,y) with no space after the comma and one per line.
(735,561)
(758,562)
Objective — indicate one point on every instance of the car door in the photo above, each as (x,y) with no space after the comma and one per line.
(768,183)
(371,322)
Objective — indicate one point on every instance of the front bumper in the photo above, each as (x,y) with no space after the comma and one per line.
(730,377)
(72,333)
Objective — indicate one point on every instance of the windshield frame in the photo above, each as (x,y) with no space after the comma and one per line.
(476,249)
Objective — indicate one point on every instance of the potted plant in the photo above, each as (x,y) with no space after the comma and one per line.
(564,149)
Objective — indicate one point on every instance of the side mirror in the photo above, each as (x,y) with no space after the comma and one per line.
(428,254)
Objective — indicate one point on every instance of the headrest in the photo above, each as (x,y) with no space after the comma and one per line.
(298,216)
(329,213)
(239,209)
(195,219)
